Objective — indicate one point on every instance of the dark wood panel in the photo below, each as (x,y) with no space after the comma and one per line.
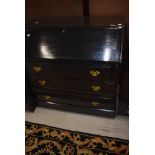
(72,85)
(30,103)
(53,8)
(107,72)
(98,44)
(94,102)
(63,94)
(89,111)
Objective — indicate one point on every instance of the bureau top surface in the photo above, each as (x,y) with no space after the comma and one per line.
(97,39)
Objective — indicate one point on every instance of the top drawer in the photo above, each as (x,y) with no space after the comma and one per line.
(104,73)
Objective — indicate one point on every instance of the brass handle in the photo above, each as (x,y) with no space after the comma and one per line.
(96,88)
(94,73)
(42,82)
(95,104)
(46,97)
(37,69)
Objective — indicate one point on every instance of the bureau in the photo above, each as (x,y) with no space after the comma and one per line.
(74,64)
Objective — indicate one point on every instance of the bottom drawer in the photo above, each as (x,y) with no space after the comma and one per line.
(90,111)
(78,100)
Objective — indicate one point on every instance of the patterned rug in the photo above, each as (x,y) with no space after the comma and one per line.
(45,140)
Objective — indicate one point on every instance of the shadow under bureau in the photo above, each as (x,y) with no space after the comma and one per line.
(74,64)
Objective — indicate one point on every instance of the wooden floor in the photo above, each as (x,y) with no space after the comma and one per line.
(117,127)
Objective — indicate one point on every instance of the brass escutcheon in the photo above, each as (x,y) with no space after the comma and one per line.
(95,104)
(37,69)
(42,82)
(94,73)
(46,97)
(96,88)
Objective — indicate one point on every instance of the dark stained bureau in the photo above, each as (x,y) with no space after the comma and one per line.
(74,64)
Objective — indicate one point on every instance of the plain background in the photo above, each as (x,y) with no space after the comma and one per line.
(142,76)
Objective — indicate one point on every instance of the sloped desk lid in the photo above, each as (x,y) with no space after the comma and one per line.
(93,39)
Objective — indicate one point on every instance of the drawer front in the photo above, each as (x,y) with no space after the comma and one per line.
(84,86)
(107,103)
(104,73)
(78,109)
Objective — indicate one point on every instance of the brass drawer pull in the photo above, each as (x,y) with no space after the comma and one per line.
(96,88)
(42,82)
(46,97)
(94,73)
(37,69)
(95,104)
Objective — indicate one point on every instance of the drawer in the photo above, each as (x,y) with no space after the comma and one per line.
(81,100)
(78,109)
(105,104)
(81,86)
(104,72)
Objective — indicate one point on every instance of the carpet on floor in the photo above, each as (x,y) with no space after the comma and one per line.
(46,140)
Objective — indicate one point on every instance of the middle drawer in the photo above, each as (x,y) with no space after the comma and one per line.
(79,86)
